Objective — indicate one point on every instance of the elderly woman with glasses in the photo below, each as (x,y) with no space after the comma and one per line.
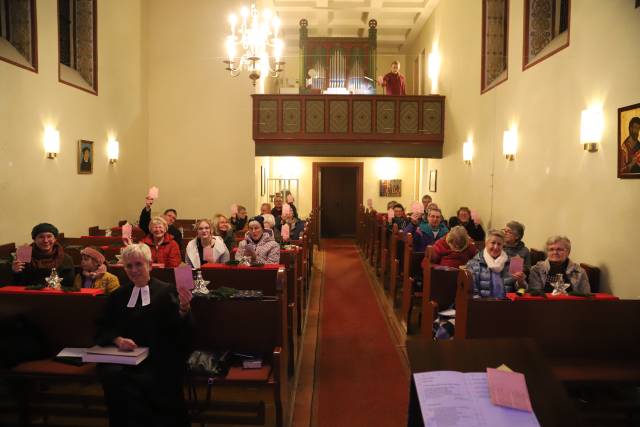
(490,269)
(164,250)
(513,244)
(146,313)
(558,263)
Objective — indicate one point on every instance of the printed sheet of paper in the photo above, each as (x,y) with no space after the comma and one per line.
(516,264)
(284,232)
(126,231)
(286,210)
(154,192)
(456,399)
(184,277)
(23,253)
(508,389)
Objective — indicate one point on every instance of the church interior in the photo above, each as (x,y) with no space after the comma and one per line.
(519,110)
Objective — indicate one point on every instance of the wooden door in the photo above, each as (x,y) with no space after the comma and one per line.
(338,201)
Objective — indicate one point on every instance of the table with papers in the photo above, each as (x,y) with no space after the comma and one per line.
(452,374)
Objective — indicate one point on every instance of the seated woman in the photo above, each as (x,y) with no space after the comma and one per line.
(296,227)
(222,228)
(454,249)
(463,218)
(513,244)
(164,250)
(259,244)
(544,272)
(239,219)
(270,224)
(146,313)
(195,253)
(94,273)
(490,269)
(46,254)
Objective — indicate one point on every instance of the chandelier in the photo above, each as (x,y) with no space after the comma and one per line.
(257,37)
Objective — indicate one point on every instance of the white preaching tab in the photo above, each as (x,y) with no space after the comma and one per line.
(146,296)
(456,399)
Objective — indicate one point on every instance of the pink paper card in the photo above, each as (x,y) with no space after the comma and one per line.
(286,210)
(23,253)
(207,254)
(184,277)
(126,231)
(289,198)
(284,233)
(508,389)
(475,216)
(154,192)
(369,203)
(234,209)
(390,215)
(516,264)
(417,207)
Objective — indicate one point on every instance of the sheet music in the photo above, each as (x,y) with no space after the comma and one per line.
(456,399)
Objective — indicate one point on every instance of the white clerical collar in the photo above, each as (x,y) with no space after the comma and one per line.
(146,296)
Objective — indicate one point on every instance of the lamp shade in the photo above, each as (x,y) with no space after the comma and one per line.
(591,126)
(113,150)
(510,144)
(51,142)
(467,151)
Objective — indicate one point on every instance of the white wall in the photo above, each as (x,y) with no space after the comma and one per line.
(34,189)
(553,187)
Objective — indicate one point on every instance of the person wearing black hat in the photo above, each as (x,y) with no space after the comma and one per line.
(259,244)
(46,254)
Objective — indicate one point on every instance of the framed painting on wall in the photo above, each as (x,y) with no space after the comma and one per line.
(85,157)
(629,141)
(433,180)
(390,187)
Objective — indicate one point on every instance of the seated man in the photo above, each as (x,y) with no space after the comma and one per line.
(239,219)
(265,208)
(399,217)
(426,201)
(169,215)
(558,263)
(278,201)
(46,255)
(426,233)
(94,273)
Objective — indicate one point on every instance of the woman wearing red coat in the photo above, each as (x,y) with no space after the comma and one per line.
(164,250)
(454,249)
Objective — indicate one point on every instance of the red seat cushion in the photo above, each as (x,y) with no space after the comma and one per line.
(237,373)
(51,367)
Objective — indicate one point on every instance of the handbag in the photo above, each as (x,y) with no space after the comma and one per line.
(208,363)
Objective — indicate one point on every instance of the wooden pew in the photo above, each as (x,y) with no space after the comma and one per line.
(593,272)
(395,246)
(6,275)
(585,341)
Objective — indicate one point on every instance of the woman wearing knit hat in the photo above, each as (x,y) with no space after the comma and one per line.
(94,273)
(46,254)
(259,244)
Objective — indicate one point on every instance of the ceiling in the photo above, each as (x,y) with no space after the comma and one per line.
(399,21)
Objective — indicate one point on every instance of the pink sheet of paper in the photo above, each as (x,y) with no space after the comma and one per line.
(289,198)
(286,210)
(390,215)
(154,192)
(184,277)
(207,253)
(369,203)
(234,209)
(284,233)
(508,389)
(126,231)
(23,253)
(417,207)
(475,216)
(516,264)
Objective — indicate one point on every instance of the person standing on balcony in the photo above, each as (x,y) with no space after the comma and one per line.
(393,82)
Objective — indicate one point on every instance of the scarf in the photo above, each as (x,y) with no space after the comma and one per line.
(95,275)
(495,265)
(54,259)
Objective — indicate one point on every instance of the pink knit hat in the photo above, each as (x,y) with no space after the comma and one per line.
(92,253)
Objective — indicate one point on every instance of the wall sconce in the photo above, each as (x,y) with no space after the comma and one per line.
(591,126)
(387,168)
(51,142)
(467,151)
(510,144)
(113,150)
(433,67)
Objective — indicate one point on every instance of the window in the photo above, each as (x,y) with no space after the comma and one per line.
(546,29)
(18,41)
(77,40)
(495,43)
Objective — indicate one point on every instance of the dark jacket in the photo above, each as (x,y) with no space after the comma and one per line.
(143,223)
(475,231)
(519,249)
(32,275)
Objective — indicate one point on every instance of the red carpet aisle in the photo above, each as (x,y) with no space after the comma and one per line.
(360,379)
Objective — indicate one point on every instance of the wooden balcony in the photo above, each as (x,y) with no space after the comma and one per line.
(348,125)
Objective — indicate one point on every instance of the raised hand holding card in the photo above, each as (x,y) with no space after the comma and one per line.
(126,231)
(516,264)
(154,192)
(184,277)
